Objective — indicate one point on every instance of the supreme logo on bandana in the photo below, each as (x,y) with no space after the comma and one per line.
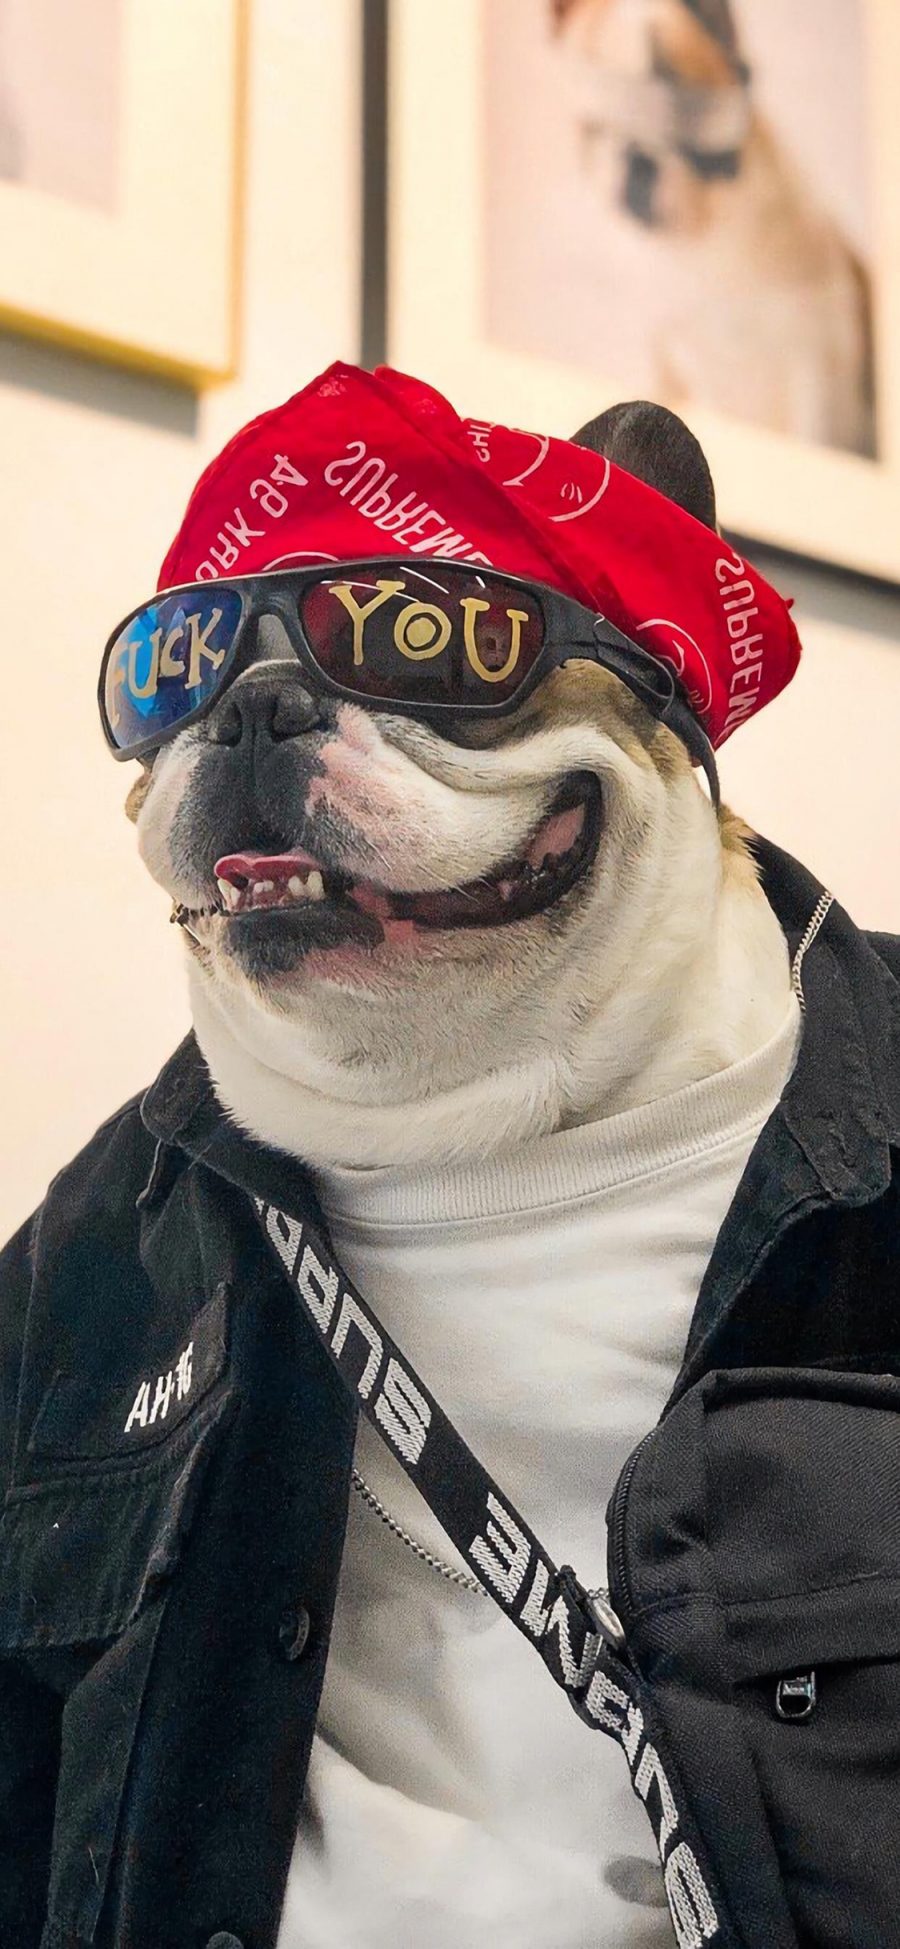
(362,464)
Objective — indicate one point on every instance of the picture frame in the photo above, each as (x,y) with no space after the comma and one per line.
(799,495)
(136,263)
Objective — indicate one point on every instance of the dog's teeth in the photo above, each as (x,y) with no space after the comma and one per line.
(312,887)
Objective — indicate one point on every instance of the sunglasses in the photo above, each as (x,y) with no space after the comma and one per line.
(437,641)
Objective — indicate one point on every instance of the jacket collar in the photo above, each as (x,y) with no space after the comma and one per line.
(842,1102)
(841,1105)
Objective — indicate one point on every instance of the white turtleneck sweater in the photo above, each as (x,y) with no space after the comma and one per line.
(454,1799)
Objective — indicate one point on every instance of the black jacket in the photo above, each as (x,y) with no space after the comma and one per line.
(176,1450)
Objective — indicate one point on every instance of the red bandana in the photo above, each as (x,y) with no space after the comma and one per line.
(361,464)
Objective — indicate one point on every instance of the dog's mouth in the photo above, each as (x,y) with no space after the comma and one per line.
(260,886)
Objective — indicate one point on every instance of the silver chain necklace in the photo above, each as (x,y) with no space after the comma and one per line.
(462,1577)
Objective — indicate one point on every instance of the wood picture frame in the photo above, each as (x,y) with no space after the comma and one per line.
(797,493)
(120,139)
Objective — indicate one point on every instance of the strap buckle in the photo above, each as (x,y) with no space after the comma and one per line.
(595,1608)
(606,1621)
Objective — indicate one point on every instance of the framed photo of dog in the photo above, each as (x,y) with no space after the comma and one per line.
(119,125)
(693,201)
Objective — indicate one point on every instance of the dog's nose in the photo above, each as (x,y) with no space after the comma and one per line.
(269,704)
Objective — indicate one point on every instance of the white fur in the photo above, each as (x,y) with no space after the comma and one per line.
(674,966)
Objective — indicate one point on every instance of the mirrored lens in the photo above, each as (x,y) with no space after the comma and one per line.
(429,636)
(168,659)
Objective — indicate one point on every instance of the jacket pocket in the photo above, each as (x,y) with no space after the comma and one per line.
(114,1417)
(81,1554)
(803,1500)
(829,1771)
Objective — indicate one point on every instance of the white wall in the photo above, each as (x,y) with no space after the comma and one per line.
(817,770)
(95,469)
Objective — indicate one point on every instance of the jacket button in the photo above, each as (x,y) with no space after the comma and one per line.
(293,1632)
(224,1940)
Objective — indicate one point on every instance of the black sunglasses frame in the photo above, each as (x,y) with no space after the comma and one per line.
(570,631)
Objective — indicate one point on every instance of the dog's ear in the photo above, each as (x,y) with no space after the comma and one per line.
(655,444)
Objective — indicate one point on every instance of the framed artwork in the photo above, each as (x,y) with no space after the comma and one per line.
(119,131)
(693,201)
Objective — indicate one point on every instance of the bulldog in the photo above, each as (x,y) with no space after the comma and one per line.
(507,981)
(411,943)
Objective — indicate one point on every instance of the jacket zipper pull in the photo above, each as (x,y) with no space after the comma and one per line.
(795,1698)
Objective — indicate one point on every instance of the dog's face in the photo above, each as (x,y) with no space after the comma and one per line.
(656,71)
(400,910)
(390,880)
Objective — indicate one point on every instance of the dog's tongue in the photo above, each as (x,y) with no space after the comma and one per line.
(238,868)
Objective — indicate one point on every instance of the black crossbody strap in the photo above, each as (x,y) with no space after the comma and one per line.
(578,1636)
(547,1605)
